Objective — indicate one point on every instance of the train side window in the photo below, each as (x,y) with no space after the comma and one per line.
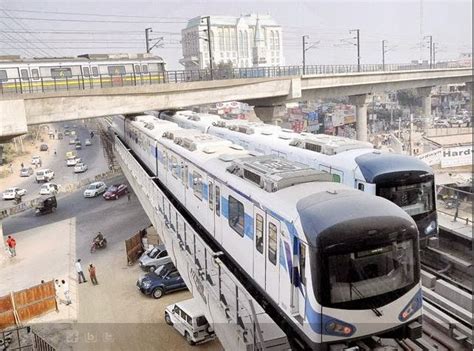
(211,196)
(272,243)
(336,178)
(24,74)
(360,186)
(116,70)
(302,263)
(137,69)
(144,68)
(86,71)
(218,201)
(3,75)
(259,233)
(174,166)
(35,73)
(95,71)
(197,185)
(236,215)
(184,174)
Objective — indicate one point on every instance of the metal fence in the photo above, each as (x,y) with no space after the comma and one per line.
(455,203)
(23,339)
(81,82)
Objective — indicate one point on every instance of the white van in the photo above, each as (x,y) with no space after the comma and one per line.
(189,320)
(44,175)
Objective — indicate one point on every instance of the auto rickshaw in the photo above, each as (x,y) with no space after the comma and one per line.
(46,205)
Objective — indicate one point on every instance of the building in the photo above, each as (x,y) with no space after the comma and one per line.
(246,41)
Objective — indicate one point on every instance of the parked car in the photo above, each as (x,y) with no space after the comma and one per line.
(456,121)
(154,257)
(49,189)
(115,191)
(26,172)
(71,154)
(35,160)
(43,147)
(188,319)
(67,132)
(60,136)
(11,193)
(87,142)
(46,205)
(78,145)
(44,175)
(72,161)
(95,189)
(80,167)
(159,283)
(72,141)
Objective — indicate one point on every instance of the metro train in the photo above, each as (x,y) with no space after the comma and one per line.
(337,264)
(84,71)
(404,180)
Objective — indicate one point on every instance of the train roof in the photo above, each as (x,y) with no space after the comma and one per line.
(83,58)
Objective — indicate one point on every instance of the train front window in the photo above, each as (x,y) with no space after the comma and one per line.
(368,273)
(415,198)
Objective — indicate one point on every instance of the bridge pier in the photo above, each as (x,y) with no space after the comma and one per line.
(12,119)
(360,102)
(272,114)
(425,93)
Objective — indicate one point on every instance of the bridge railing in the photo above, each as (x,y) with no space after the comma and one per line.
(83,82)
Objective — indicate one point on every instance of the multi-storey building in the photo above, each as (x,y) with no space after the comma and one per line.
(245,41)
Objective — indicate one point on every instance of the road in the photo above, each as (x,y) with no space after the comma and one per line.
(111,316)
(92,155)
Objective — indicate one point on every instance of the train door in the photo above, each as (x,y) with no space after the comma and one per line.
(272,278)
(217,212)
(35,78)
(259,261)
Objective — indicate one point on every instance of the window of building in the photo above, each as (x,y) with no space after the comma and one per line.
(35,73)
(220,34)
(211,196)
(227,39)
(116,70)
(272,40)
(236,216)
(259,233)
(3,75)
(197,185)
(86,72)
(272,243)
(218,201)
(277,40)
(95,71)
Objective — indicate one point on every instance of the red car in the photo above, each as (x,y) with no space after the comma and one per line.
(115,191)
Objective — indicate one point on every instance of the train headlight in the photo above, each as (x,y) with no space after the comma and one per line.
(339,328)
(413,306)
(431,227)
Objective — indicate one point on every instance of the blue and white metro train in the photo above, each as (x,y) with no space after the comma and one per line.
(336,264)
(404,180)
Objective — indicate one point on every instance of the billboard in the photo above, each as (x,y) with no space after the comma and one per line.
(456,156)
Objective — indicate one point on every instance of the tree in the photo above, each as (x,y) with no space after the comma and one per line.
(408,97)
(225,70)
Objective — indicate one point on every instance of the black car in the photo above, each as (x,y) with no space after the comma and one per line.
(164,280)
(44,147)
(46,205)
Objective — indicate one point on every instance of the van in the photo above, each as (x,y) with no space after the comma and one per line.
(44,175)
(70,154)
(188,319)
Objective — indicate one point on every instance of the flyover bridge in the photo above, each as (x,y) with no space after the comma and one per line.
(26,103)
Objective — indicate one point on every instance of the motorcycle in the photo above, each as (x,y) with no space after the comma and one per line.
(98,244)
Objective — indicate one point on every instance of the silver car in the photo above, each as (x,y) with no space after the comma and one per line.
(153,258)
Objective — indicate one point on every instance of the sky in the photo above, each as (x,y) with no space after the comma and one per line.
(73,27)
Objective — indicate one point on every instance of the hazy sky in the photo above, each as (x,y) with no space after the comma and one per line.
(71,27)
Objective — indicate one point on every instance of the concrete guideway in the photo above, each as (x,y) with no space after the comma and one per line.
(19,110)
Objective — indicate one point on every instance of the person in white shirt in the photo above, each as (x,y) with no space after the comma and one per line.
(80,274)
(66,292)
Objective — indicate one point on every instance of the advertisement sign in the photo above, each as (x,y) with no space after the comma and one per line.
(432,157)
(348,119)
(456,156)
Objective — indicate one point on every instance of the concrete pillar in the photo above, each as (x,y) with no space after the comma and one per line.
(360,102)
(425,94)
(12,119)
(270,114)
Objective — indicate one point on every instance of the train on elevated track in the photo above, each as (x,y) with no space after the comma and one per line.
(331,264)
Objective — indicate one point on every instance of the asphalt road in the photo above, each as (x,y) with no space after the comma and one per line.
(92,155)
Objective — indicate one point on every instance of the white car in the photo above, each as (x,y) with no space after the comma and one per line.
(10,193)
(95,189)
(80,167)
(72,141)
(72,161)
(35,160)
(87,142)
(49,189)
(44,175)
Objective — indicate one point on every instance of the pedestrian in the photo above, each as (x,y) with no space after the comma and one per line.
(11,243)
(80,273)
(11,167)
(92,274)
(66,292)
(22,165)
(40,162)
(129,196)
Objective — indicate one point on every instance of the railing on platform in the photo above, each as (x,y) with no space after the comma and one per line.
(456,203)
(202,269)
(81,82)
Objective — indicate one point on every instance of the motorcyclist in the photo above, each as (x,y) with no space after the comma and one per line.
(99,238)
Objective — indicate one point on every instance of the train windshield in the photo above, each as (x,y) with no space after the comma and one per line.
(366,274)
(415,198)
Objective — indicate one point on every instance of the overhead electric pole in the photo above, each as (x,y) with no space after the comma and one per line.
(306,48)
(430,37)
(208,30)
(358,46)
(434,54)
(147,39)
(383,55)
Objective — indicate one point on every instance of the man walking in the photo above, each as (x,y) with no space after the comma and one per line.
(11,243)
(66,292)
(80,273)
(92,274)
